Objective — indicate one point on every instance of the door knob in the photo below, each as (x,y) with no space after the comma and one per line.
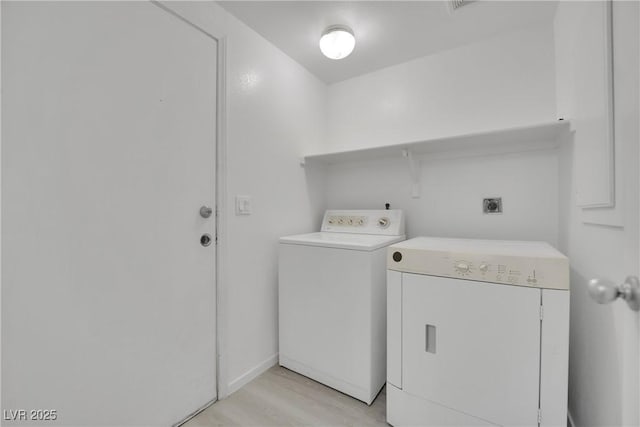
(604,291)
(205,211)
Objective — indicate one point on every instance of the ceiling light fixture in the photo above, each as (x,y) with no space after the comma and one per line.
(337,42)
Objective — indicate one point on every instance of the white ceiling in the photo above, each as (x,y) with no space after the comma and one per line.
(387,32)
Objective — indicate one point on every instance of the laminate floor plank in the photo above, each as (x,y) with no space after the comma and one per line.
(281,397)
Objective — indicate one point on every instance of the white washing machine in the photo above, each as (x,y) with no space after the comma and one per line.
(332,300)
(478,333)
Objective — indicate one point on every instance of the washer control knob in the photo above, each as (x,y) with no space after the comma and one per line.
(462,267)
(383,222)
(483,267)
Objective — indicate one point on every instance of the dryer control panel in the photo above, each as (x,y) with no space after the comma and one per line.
(382,222)
(532,264)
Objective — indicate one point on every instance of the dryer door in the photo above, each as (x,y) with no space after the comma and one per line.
(472,347)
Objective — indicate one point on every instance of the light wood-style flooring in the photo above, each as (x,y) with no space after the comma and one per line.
(280,397)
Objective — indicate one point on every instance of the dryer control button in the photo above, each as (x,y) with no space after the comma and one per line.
(462,267)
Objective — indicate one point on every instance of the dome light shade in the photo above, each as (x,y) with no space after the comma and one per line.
(337,42)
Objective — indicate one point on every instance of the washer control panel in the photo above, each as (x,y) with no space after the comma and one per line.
(384,222)
(347,220)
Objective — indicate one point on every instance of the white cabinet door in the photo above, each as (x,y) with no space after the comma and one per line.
(472,347)
(108,152)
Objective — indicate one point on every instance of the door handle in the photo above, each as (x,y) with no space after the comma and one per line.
(205,211)
(605,291)
(430,339)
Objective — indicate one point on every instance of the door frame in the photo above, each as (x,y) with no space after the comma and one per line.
(221,222)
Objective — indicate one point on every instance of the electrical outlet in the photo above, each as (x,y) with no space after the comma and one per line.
(492,205)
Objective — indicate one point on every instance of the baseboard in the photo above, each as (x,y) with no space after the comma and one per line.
(367,395)
(251,374)
(195,413)
(570,420)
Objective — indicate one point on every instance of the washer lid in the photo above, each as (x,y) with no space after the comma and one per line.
(359,242)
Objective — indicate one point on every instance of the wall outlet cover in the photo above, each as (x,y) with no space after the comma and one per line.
(492,205)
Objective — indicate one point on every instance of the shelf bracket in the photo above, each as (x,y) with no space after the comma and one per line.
(413,173)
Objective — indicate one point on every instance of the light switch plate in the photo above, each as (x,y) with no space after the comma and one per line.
(243,205)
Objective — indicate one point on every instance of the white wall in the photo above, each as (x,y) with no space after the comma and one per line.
(604,360)
(452,191)
(271,123)
(275,114)
(501,82)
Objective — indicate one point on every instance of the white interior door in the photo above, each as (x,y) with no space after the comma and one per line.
(108,145)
